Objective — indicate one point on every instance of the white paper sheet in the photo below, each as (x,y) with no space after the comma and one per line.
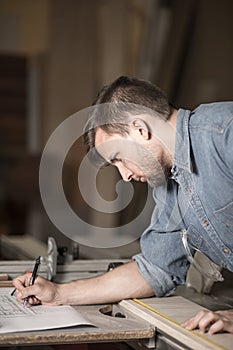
(16,318)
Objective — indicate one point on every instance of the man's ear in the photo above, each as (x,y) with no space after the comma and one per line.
(141,128)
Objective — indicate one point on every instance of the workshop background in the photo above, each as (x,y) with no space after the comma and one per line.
(54,57)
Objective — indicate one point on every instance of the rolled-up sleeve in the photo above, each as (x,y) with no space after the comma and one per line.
(159,280)
(162,261)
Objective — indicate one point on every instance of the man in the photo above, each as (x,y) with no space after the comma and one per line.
(187,158)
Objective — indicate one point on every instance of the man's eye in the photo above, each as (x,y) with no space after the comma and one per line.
(115,160)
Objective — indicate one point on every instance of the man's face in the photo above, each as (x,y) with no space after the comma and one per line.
(135,156)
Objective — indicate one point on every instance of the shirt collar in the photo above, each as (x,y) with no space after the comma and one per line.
(182,157)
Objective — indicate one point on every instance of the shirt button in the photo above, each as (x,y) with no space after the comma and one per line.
(226,251)
(206,223)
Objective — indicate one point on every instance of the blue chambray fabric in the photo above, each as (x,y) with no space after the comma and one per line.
(197,197)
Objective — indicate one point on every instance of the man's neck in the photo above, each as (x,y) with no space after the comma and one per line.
(173,117)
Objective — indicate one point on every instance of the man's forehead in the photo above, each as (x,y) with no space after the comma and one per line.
(119,147)
(101,136)
(106,144)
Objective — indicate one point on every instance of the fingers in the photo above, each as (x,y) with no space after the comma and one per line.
(28,291)
(41,292)
(211,322)
(33,301)
(23,289)
(21,281)
(216,327)
(226,317)
(196,321)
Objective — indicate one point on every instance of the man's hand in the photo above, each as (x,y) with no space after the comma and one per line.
(211,322)
(42,292)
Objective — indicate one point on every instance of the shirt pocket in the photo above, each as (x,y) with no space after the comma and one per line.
(225,215)
(195,239)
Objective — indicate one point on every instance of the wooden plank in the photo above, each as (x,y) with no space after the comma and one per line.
(166,314)
(14,268)
(77,269)
(98,265)
(7,283)
(88,265)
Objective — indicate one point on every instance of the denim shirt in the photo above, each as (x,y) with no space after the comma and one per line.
(197,197)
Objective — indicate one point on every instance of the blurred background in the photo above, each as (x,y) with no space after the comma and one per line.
(54,57)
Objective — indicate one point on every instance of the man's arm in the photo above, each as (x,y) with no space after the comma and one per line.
(120,283)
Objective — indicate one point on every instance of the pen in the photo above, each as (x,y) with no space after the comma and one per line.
(33,277)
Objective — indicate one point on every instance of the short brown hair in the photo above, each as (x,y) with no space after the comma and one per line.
(123,96)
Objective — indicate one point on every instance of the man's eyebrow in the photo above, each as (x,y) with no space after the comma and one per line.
(96,158)
(113,157)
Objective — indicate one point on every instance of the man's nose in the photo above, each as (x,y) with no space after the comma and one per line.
(126,174)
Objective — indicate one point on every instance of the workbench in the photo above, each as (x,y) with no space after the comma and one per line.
(147,323)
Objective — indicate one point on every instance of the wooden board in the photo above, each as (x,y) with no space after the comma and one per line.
(77,269)
(166,314)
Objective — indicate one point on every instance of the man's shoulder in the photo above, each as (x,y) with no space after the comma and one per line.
(215,115)
(215,107)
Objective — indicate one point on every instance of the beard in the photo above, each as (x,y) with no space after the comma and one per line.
(155,169)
